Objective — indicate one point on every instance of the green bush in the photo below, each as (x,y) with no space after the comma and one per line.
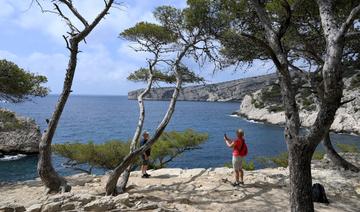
(105,155)
(9,121)
(248,166)
(351,148)
(318,155)
(275,108)
(355,82)
(281,160)
(272,94)
(306,102)
(305,93)
(108,155)
(173,144)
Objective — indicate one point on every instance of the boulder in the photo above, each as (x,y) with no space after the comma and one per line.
(83,199)
(34,208)
(51,207)
(12,208)
(18,134)
(68,206)
(103,204)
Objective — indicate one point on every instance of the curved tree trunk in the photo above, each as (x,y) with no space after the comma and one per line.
(126,174)
(301,147)
(129,159)
(335,158)
(47,173)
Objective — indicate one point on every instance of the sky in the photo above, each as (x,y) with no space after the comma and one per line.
(34,41)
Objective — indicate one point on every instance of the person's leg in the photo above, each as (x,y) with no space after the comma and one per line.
(143,165)
(241,173)
(235,169)
(237,173)
(142,169)
(145,168)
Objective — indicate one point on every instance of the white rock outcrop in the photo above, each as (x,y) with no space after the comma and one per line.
(18,134)
(347,118)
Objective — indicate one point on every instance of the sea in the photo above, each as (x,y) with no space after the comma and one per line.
(103,118)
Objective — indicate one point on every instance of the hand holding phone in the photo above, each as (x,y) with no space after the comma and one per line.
(225,136)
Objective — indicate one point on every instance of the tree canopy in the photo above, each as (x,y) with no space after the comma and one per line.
(17,85)
(188,76)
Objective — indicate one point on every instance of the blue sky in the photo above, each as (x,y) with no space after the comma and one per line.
(34,41)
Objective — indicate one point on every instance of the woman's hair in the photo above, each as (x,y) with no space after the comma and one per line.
(240,132)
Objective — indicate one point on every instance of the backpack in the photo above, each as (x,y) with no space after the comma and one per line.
(318,193)
(243,150)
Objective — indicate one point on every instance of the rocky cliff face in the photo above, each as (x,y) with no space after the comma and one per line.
(18,134)
(226,91)
(265,105)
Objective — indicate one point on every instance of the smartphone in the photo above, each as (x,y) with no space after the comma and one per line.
(225,135)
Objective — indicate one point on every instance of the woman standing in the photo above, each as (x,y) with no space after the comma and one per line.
(239,152)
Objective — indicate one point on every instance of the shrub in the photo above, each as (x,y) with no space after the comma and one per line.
(351,148)
(108,155)
(272,94)
(355,82)
(275,108)
(318,155)
(248,166)
(281,160)
(105,155)
(172,144)
(9,121)
(305,93)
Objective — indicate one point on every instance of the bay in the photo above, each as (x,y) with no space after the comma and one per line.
(102,118)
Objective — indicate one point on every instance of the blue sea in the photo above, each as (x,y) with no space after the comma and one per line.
(101,118)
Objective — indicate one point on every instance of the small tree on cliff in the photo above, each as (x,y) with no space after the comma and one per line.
(253,29)
(156,40)
(17,85)
(47,173)
(183,39)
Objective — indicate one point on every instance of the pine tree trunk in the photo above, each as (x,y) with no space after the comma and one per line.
(124,180)
(125,176)
(335,158)
(300,178)
(129,159)
(48,175)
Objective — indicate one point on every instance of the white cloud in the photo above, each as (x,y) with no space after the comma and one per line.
(96,68)
(105,61)
(6,10)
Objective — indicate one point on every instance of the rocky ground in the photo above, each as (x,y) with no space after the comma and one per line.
(188,190)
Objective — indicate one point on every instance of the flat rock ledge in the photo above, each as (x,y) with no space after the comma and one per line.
(188,190)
